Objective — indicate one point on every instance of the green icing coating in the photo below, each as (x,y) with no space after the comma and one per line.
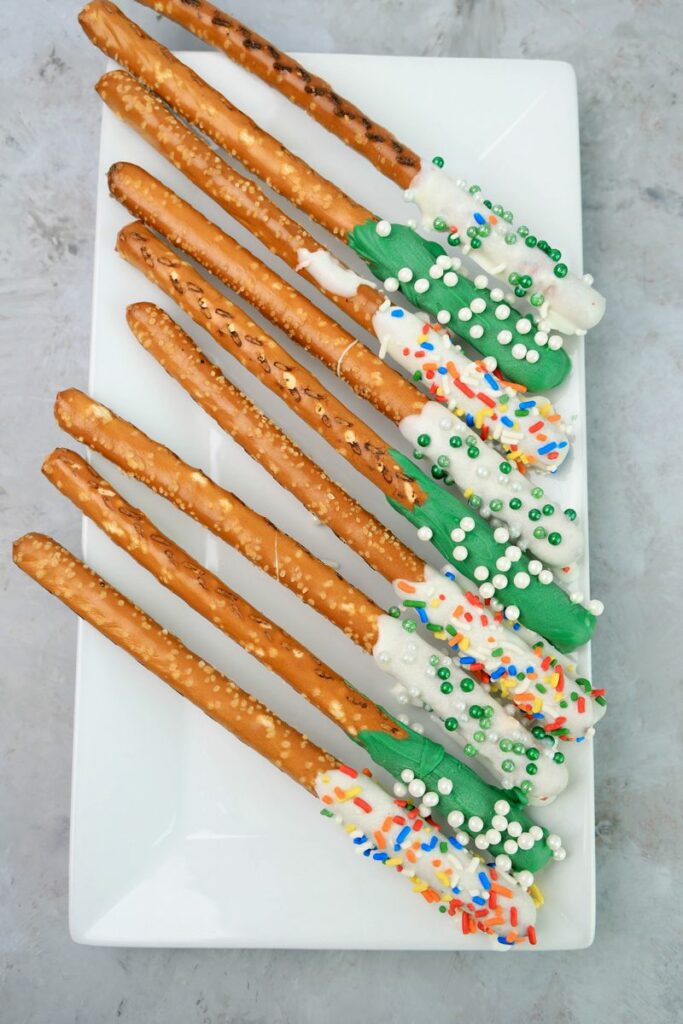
(403,247)
(543,608)
(470,794)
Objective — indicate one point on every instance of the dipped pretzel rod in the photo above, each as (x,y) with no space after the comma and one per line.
(481,642)
(457,455)
(536,362)
(441,786)
(486,231)
(528,592)
(487,899)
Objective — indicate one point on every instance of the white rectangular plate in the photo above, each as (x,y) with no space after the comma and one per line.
(180,835)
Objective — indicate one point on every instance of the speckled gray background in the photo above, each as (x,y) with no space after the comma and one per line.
(627,57)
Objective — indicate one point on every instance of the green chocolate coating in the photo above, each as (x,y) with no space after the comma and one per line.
(470,794)
(543,608)
(403,247)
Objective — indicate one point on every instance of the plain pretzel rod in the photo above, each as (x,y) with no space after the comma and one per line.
(434,432)
(358,803)
(405,658)
(528,593)
(488,322)
(485,229)
(478,641)
(390,744)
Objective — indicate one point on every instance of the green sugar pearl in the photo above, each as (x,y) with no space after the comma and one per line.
(455,441)
(505,467)
(505,746)
(438,161)
(508,766)
(409,625)
(537,492)
(498,210)
(417,454)
(537,299)
(555,255)
(476,243)
(424,440)
(476,711)
(554,539)
(531,769)
(539,732)
(438,473)
(560,270)
(451,724)
(473,452)
(570,514)
(548,510)
(558,757)
(513,278)
(532,753)
(446,688)
(440,224)
(540,532)
(520,292)
(444,673)
(510,238)
(454,238)
(443,461)
(518,748)
(531,240)
(394,612)
(434,659)
(534,515)
(523,230)
(526,281)
(472,232)
(508,216)
(466,685)
(515,503)
(495,504)
(479,736)
(474,189)
(475,501)
(485,231)
(488,204)
(526,786)
(470,750)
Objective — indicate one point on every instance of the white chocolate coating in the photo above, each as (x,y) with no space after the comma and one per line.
(528,428)
(571,306)
(534,679)
(414,664)
(330,274)
(424,854)
(482,476)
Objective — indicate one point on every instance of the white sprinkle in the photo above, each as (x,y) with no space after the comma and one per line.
(545,577)
(501,535)
(481,573)
(455,819)
(532,356)
(436,272)
(512,613)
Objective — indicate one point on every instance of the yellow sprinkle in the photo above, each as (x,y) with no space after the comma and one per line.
(465,643)
(350,793)
(536,895)
(393,860)
(468,493)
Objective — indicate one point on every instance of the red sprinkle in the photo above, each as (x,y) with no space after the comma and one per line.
(348,771)
(531,934)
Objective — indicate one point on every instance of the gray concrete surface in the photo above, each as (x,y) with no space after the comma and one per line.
(627,57)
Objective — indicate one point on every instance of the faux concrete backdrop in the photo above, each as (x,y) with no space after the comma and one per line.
(627,58)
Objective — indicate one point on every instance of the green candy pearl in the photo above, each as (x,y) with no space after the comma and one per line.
(539,732)
(526,786)
(434,660)
(531,769)
(438,161)
(440,224)
(495,504)
(443,461)
(515,503)
(472,232)
(505,746)
(505,467)
(455,441)
(475,501)
(555,255)
(533,753)
(409,625)
(537,492)
(473,452)
(530,240)
(394,612)
(526,281)
(444,673)
(488,204)
(539,532)
(511,238)
(548,510)
(520,292)
(417,454)
(534,515)
(446,688)
(513,278)
(451,724)
(555,539)
(424,440)
(508,766)
(476,243)
(518,748)
(476,711)
(438,473)
(470,750)
(560,270)
(454,238)
(474,189)
(508,216)
(485,231)
(479,736)
(558,757)
(466,685)
(523,230)
(570,514)
(537,299)
(498,210)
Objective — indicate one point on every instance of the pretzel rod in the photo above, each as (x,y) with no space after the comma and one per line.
(535,599)
(391,745)
(485,230)
(433,431)
(359,803)
(485,642)
(486,321)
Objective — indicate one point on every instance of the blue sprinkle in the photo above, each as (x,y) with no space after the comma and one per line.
(528,405)
(469,419)
(503,941)
(477,899)
(456,888)
(360,839)
(538,714)
(580,739)
(512,670)
(491,381)
(467,659)
(401,837)
(529,669)
(484,879)
(423,614)
(442,369)
(366,853)
(454,842)
(550,447)
(507,421)
(449,575)
(479,219)
(428,345)
(498,673)
(430,845)
(516,625)
(563,444)
(382,855)
(397,312)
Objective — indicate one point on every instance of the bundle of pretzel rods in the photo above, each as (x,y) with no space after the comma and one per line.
(498,675)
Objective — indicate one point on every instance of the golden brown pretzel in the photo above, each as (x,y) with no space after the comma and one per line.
(308,91)
(131,529)
(200,104)
(126,625)
(232,329)
(228,518)
(242,198)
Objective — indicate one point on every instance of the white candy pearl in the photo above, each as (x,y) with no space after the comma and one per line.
(596,607)
(541,338)
(462,838)
(425,533)
(481,573)
(430,799)
(487,590)
(499,821)
(503,563)
(501,535)
(523,326)
(535,567)
(443,316)
(555,342)
(444,786)
(421,285)
(532,356)
(518,351)
(497,294)
(477,305)
(417,788)
(536,833)
(493,836)
(457,534)
(450,279)
(476,332)
(560,854)
(553,842)
(513,553)
(499,581)
(525,879)
(405,274)
(467,524)
(436,272)
(391,284)
(514,829)
(503,863)
(464,314)
(504,337)
(443,261)
(480,281)
(481,843)
(512,613)
(545,577)
(501,807)
(525,841)
(383,228)
(407,775)
(510,846)
(455,819)
(522,580)
(460,553)
(475,824)
(502,312)
(400,790)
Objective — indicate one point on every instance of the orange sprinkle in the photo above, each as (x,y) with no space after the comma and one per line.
(407,588)
(501,890)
